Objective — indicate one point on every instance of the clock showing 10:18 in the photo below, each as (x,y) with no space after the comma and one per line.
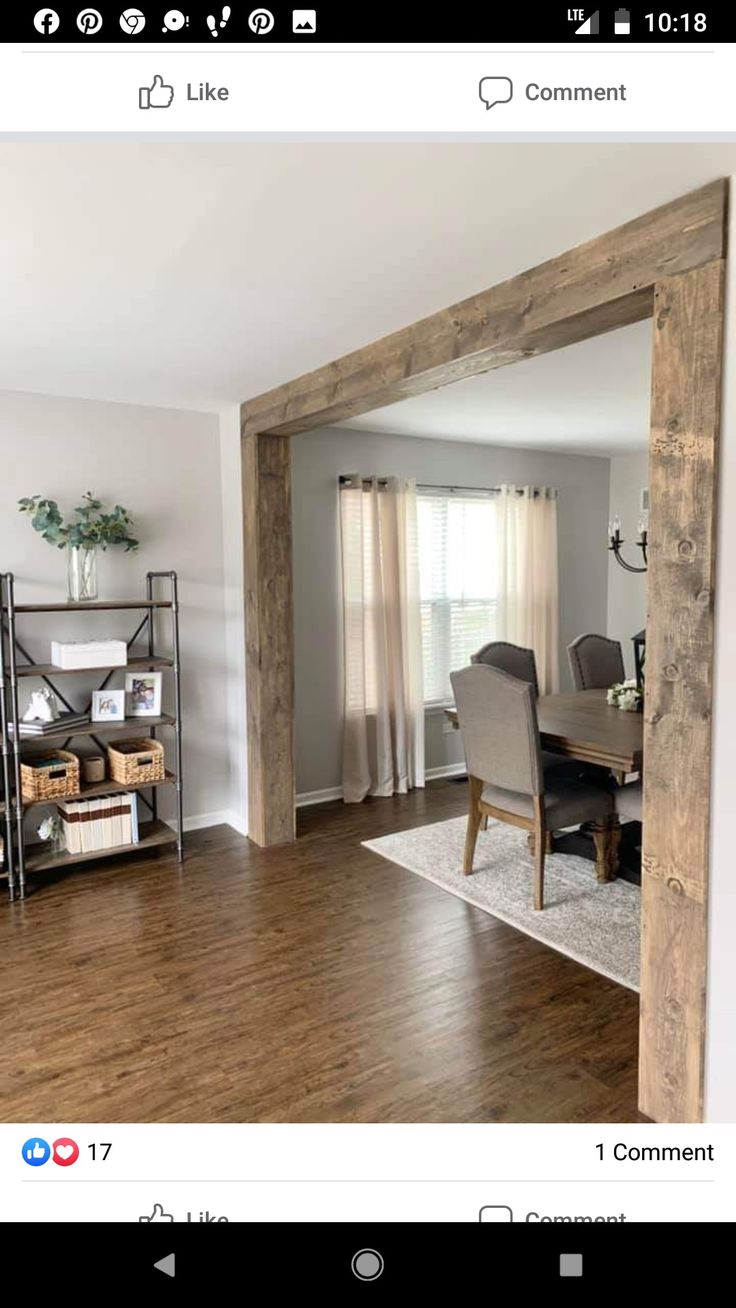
(676,22)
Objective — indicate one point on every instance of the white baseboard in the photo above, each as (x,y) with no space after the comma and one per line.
(335,792)
(237,821)
(318,796)
(198,821)
(448,770)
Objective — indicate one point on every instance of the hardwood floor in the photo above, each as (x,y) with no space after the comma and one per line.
(311,983)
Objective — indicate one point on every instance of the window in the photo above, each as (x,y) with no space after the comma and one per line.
(458,579)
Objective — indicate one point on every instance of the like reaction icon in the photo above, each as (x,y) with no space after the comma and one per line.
(66,1151)
(156,96)
(36,1151)
(158,1215)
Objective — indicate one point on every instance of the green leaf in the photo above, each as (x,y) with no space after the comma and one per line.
(89,527)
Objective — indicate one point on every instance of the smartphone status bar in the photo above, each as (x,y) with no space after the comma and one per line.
(210,23)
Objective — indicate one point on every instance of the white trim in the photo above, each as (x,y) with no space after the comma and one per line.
(237,821)
(198,821)
(318,796)
(335,792)
(448,770)
(234,744)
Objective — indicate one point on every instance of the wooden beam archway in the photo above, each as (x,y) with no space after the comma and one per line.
(669,265)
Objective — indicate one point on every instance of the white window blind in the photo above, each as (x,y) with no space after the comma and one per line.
(458,576)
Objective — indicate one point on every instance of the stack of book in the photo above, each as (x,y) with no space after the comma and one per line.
(35,730)
(102,823)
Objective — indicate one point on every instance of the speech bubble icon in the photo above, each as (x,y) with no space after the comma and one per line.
(495,90)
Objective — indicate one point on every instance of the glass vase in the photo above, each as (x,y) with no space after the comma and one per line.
(81,573)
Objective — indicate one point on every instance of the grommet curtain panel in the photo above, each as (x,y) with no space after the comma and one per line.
(528,581)
(383,741)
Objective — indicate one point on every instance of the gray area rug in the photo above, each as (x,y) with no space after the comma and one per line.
(596,924)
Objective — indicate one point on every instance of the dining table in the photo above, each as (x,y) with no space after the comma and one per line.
(582,725)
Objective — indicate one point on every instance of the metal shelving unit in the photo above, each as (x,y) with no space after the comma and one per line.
(19,857)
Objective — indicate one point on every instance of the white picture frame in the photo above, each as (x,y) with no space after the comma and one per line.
(108,706)
(143,694)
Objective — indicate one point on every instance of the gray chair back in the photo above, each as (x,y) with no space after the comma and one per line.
(595,662)
(497,716)
(514,659)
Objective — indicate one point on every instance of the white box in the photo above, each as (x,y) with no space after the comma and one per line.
(70,654)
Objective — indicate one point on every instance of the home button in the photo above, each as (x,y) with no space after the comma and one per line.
(367,1265)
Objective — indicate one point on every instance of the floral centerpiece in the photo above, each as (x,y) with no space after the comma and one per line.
(626,695)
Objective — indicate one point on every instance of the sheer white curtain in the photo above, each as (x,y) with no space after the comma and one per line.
(383,743)
(528,585)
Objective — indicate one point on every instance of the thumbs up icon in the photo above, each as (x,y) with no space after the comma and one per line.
(36,1151)
(158,1215)
(156,96)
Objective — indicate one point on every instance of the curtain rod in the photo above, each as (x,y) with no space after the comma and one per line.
(352,480)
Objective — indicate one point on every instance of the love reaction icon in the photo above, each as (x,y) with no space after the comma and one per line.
(65,1152)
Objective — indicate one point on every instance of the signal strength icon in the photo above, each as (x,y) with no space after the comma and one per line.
(591,25)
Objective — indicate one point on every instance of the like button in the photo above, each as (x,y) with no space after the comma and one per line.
(156,96)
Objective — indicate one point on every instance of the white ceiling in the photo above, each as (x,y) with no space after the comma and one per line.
(591,398)
(195,275)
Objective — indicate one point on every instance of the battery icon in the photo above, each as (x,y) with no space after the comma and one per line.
(622,23)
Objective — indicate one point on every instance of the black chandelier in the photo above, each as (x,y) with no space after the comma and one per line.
(616,540)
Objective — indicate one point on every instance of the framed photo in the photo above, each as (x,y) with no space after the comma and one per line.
(108,706)
(143,693)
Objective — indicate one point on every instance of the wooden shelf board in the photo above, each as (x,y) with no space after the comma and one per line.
(151,834)
(133,727)
(93,790)
(96,788)
(136,664)
(92,606)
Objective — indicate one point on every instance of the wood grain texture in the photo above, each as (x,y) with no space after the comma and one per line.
(582,725)
(269,638)
(312,983)
(596,287)
(686,403)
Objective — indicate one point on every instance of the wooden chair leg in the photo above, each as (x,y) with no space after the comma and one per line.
(601,833)
(540,852)
(615,841)
(474,818)
(484,822)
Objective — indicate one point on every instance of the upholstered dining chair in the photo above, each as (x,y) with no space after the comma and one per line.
(627,805)
(497,715)
(514,659)
(595,662)
(627,801)
(520,662)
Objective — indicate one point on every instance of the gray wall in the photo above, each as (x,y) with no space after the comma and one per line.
(627,592)
(163,465)
(318,459)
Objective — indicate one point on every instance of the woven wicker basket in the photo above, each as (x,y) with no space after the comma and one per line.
(52,775)
(136,762)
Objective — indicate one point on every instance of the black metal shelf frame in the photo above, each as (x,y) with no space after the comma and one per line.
(11,742)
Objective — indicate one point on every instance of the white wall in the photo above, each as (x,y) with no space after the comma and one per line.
(720,1073)
(163,465)
(318,458)
(627,592)
(234,678)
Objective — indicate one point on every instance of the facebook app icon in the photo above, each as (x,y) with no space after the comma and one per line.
(46,21)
